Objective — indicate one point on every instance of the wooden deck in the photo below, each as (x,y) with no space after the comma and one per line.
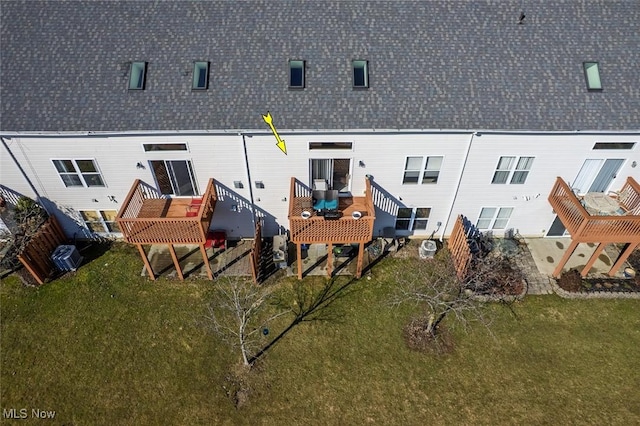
(585,227)
(148,217)
(318,230)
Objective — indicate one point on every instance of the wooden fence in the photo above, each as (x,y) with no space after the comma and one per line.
(459,248)
(36,256)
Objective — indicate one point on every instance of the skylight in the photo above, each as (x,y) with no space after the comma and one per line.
(296,74)
(360,74)
(200,76)
(137,75)
(592,74)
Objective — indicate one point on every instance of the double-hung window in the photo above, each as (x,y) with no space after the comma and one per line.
(412,219)
(422,170)
(512,169)
(494,217)
(82,173)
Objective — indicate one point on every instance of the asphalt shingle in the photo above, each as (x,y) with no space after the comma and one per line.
(433,65)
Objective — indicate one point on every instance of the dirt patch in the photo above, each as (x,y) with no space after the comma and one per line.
(419,339)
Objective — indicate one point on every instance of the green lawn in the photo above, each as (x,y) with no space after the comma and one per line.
(105,346)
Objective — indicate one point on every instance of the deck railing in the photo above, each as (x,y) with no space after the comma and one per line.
(585,227)
(157,228)
(317,229)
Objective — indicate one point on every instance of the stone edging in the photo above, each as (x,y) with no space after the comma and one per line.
(593,295)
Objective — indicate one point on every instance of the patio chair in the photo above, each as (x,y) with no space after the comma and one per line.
(216,239)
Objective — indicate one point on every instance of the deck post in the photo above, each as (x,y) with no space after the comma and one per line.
(565,258)
(330,260)
(175,261)
(299,249)
(592,259)
(622,258)
(146,262)
(205,258)
(360,259)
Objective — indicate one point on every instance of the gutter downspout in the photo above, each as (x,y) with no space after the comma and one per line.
(455,194)
(26,178)
(246,162)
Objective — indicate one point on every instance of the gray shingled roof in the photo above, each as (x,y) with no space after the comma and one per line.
(434,64)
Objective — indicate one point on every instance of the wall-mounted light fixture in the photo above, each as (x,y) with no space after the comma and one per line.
(112,198)
(634,164)
(139,165)
(361,163)
(284,198)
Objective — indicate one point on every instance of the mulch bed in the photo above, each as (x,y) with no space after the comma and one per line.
(572,281)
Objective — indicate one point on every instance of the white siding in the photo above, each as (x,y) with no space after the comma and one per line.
(555,155)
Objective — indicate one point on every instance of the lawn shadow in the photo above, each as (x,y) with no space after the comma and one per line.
(309,306)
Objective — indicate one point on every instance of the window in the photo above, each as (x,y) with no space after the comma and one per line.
(494,218)
(333,171)
(330,145)
(175,177)
(505,167)
(296,74)
(596,175)
(360,74)
(200,76)
(614,145)
(422,169)
(101,221)
(412,219)
(137,75)
(164,147)
(78,173)
(592,75)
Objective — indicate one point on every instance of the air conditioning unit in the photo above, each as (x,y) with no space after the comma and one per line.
(66,258)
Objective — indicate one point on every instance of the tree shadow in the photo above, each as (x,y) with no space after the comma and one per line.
(308,306)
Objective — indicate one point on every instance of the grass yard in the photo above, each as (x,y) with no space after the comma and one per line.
(106,346)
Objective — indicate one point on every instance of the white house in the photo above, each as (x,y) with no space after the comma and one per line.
(447,107)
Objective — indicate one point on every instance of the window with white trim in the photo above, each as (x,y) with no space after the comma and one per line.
(412,219)
(100,221)
(422,170)
(512,169)
(494,217)
(83,172)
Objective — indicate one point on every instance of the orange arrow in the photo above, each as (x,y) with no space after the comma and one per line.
(280,143)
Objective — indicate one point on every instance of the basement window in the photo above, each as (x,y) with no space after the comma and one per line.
(296,74)
(360,74)
(592,75)
(614,145)
(200,76)
(137,75)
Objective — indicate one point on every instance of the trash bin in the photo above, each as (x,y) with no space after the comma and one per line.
(427,249)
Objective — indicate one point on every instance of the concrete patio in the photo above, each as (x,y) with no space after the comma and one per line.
(547,252)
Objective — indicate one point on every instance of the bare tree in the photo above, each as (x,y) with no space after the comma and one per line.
(435,286)
(240,312)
